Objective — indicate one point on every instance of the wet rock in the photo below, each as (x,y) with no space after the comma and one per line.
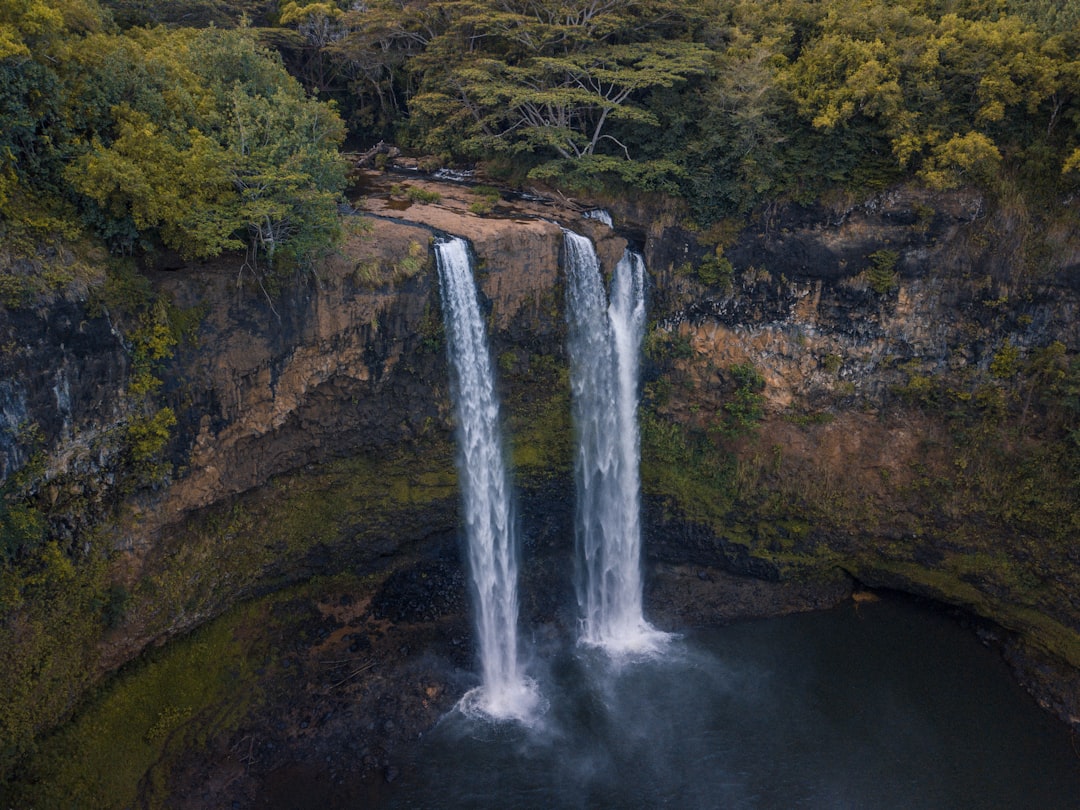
(423,593)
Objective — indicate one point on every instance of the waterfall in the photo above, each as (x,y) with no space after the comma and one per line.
(492,549)
(600,215)
(605,341)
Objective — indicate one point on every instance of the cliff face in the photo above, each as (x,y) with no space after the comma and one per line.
(916,403)
(868,388)
(355,363)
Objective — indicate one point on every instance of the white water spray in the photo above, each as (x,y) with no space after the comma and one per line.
(505,692)
(605,341)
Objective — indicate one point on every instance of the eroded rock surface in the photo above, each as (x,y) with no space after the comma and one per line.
(314,427)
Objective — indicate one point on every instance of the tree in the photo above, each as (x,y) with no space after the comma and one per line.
(178,185)
(736,156)
(971,157)
(564,104)
(217,148)
(547,77)
(318,26)
(287,171)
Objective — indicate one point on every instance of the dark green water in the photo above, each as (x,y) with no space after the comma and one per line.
(890,705)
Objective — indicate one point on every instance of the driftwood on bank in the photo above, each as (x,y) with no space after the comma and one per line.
(367,159)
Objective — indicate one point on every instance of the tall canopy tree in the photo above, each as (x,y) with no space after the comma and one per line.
(552,78)
(195,139)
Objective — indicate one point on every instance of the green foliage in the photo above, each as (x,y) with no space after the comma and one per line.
(115,603)
(881,274)
(603,172)
(715,270)
(181,189)
(416,260)
(432,332)
(746,408)
(22,523)
(196,140)
(414,194)
(686,467)
(540,428)
(832,363)
(731,105)
(52,608)
(53,590)
(969,158)
(198,685)
(519,77)
(488,197)
(373,272)
(147,436)
(712,271)
(152,342)
(56,606)
(423,195)
(661,344)
(1005,362)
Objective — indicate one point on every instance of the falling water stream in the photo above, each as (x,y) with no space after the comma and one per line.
(505,692)
(604,343)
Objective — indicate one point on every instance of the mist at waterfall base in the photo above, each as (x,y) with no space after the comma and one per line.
(505,692)
(876,706)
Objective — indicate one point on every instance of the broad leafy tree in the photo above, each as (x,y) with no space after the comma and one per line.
(214,147)
(553,78)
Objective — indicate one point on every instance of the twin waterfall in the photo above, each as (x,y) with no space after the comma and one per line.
(605,340)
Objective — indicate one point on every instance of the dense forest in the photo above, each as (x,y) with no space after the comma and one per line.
(208,126)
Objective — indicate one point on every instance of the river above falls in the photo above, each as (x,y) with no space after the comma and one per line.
(886,704)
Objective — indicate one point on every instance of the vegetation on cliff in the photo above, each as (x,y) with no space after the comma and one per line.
(198,139)
(730,103)
(195,140)
(960,481)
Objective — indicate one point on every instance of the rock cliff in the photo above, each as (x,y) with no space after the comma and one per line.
(875,389)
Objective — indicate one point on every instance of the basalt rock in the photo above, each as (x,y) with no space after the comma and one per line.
(338,380)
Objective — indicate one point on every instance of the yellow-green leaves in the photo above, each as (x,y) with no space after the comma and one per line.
(1072,163)
(971,157)
(946,90)
(162,180)
(300,13)
(11,42)
(839,76)
(210,145)
(30,25)
(547,77)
